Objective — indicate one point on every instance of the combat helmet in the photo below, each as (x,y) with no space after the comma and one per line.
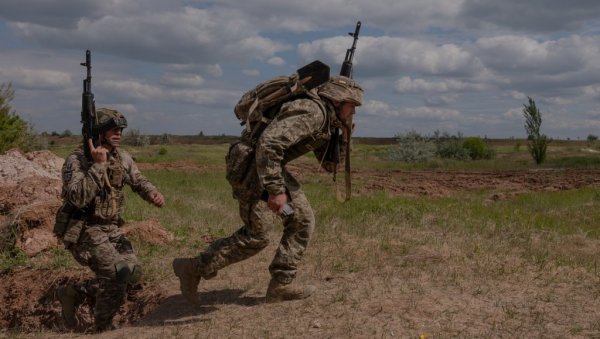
(342,89)
(109,118)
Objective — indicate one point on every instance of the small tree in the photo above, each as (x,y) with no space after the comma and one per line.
(13,129)
(536,143)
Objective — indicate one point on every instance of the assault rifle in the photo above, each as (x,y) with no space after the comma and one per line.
(88,109)
(333,151)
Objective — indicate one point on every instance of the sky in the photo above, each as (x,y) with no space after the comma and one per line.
(179,67)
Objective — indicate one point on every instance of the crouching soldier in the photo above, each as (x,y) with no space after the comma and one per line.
(89,220)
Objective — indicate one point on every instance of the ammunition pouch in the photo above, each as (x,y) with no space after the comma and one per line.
(69,223)
(238,161)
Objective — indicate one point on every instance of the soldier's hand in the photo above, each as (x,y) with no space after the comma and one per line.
(157,199)
(99,154)
(276,202)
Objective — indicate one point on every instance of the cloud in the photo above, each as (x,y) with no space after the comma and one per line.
(182,80)
(30,78)
(152,36)
(408,85)
(385,56)
(382,109)
(540,16)
(276,61)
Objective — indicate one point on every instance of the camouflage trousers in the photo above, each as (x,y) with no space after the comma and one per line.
(253,236)
(105,250)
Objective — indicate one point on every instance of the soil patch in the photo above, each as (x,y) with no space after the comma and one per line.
(445,183)
(29,301)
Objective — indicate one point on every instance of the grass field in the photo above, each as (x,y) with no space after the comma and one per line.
(386,265)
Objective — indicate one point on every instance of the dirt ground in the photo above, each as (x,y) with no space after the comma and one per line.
(420,294)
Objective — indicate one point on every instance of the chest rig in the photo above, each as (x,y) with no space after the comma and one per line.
(109,200)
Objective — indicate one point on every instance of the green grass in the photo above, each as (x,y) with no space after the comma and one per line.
(199,203)
(9,261)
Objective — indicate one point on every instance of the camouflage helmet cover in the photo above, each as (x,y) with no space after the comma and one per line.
(342,89)
(109,119)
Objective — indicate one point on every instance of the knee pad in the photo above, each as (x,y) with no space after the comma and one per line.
(128,273)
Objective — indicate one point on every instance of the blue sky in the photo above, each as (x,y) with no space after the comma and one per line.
(179,67)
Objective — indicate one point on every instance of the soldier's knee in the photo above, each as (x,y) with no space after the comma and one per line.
(128,273)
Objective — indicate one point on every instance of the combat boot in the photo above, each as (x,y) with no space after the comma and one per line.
(186,269)
(68,297)
(279,292)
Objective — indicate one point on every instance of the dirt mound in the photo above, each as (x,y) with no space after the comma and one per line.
(29,301)
(149,231)
(30,186)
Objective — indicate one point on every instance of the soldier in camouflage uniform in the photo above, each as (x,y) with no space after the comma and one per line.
(89,220)
(257,169)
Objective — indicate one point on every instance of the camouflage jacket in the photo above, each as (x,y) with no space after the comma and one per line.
(301,126)
(99,188)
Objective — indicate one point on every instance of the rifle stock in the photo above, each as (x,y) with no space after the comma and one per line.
(89,129)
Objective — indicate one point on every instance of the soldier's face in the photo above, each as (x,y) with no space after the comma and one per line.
(345,113)
(346,110)
(113,136)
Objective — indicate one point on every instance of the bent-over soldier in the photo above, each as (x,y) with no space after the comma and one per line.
(262,185)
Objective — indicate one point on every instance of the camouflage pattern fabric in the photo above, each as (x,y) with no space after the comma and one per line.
(302,125)
(100,245)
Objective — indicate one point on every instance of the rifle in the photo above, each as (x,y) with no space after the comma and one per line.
(88,109)
(333,152)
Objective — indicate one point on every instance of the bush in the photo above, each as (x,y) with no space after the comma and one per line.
(412,147)
(449,146)
(477,148)
(133,137)
(162,151)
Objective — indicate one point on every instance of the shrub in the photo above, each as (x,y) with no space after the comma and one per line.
(412,147)
(133,137)
(477,148)
(449,146)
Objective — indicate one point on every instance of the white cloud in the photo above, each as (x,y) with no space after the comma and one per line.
(182,80)
(36,78)
(276,61)
(408,85)
(383,109)
(384,56)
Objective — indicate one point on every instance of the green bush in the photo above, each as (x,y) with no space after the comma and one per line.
(162,151)
(477,148)
(449,146)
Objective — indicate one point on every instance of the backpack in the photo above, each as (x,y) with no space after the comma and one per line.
(253,105)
